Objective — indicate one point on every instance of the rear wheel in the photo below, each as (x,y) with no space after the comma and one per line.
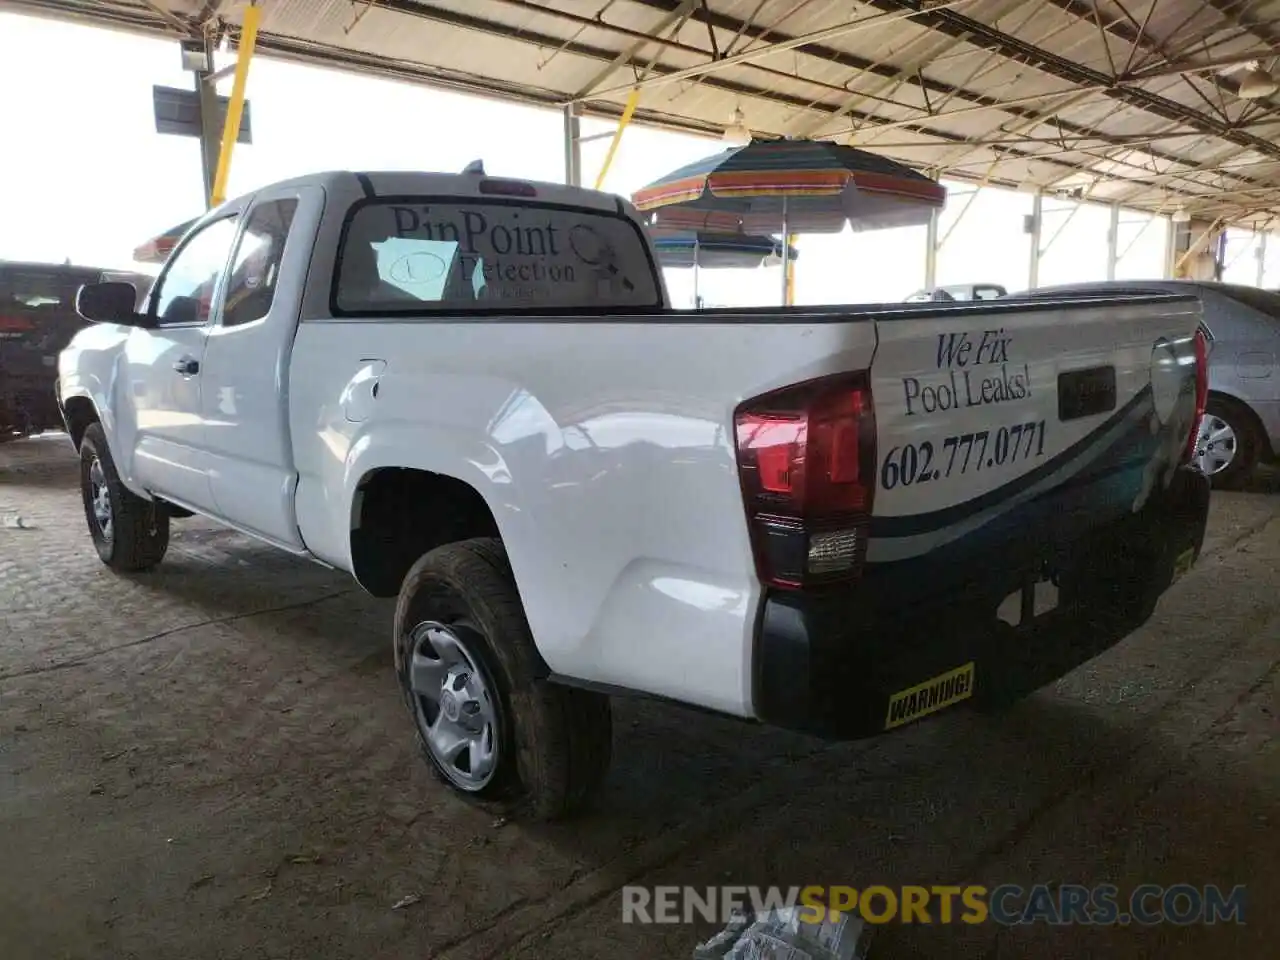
(1227,445)
(129,532)
(486,719)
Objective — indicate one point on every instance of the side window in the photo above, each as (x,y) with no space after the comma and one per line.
(184,293)
(252,286)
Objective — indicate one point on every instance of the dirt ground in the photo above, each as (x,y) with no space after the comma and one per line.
(211,760)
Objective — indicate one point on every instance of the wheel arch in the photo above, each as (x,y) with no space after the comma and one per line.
(397,514)
(79,412)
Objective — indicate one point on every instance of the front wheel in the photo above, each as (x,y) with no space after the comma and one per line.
(129,532)
(486,719)
(1227,445)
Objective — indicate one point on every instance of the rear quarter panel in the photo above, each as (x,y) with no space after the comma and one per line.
(605,452)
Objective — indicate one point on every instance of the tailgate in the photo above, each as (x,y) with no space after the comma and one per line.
(1005,429)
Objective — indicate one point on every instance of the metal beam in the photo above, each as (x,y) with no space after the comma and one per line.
(1138,39)
(1208,166)
(988,37)
(587,51)
(928,87)
(626,56)
(893,79)
(1262,29)
(1185,67)
(667,43)
(778,46)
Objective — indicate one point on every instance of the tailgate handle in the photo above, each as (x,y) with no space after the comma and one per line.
(1086,393)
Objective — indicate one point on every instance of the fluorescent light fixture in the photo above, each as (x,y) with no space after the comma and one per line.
(737,132)
(1256,83)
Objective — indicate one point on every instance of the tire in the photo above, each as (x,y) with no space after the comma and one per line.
(1244,444)
(541,749)
(130,533)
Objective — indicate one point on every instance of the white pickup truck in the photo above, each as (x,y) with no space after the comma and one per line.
(471,393)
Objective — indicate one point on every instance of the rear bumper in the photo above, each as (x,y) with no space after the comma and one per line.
(832,664)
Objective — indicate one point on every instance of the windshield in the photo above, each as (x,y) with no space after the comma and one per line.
(460,256)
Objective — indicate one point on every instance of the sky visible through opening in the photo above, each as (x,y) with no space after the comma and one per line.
(86,176)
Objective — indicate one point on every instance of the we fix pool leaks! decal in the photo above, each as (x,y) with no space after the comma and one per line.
(971,373)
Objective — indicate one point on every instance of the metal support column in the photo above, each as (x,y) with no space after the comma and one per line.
(931,253)
(210,131)
(1170,247)
(1262,257)
(1037,212)
(572,146)
(1113,242)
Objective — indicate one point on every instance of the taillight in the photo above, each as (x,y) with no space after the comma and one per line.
(806,458)
(1201,343)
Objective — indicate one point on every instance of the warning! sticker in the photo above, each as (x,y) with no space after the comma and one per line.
(930,696)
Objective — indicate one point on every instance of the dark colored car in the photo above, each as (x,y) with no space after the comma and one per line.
(37,319)
(1242,423)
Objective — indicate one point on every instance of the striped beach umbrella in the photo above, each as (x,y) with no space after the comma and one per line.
(679,249)
(789,187)
(717,250)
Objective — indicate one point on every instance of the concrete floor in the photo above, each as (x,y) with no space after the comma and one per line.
(211,761)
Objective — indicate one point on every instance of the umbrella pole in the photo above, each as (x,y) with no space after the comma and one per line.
(697,303)
(786,256)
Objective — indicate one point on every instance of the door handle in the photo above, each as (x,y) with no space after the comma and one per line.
(187,366)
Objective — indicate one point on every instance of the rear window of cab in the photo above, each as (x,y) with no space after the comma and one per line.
(424,256)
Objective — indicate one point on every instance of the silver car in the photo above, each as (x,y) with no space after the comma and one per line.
(1241,427)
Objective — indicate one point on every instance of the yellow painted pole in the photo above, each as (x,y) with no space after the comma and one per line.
(235,106)
(627,112)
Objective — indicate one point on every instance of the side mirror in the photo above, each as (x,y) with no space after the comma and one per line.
(111,302)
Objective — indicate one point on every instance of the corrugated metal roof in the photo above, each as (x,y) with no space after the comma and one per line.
(1135,101)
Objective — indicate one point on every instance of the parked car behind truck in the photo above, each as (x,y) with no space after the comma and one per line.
(1242,425)
(472,394)
(37,320)
(958,291)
